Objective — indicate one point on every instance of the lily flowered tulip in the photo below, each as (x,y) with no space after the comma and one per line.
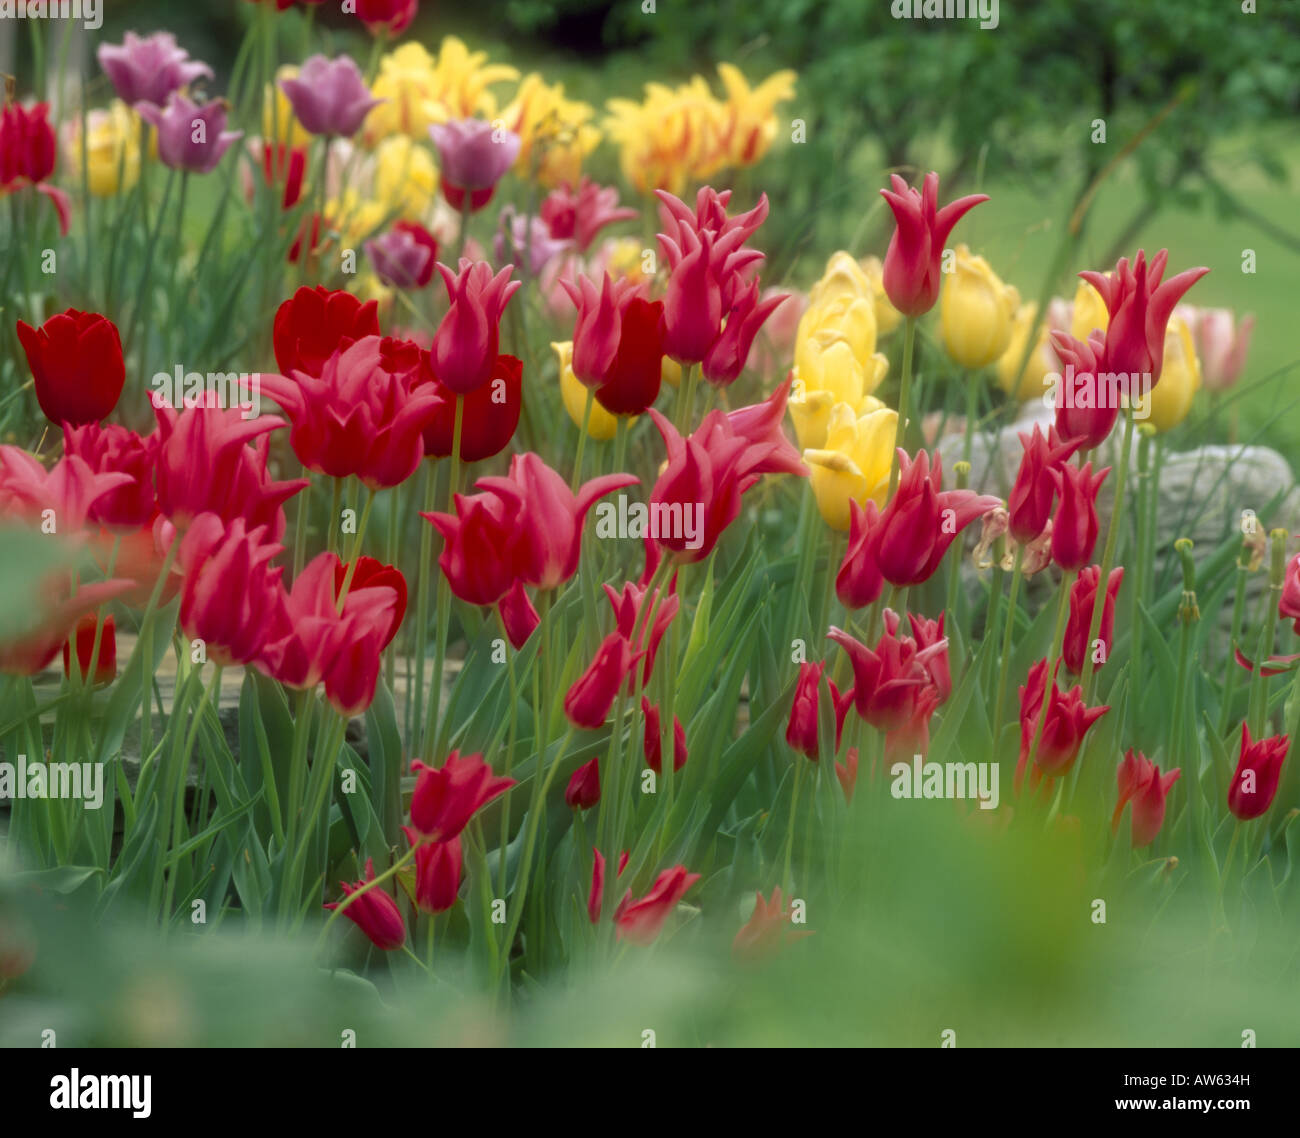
(1074,527)
(480,542)
(472,154)
(583,791)
(1029,505)
(802,732)
(76,363)
(596,897)
(1142,784)
(447,797)
(617,343)
(976,311)
(147,69)
(1139,306)
(729,353)
(859,581)
(329,96)
(1259,767)
(654,757)
(375,912)
(1087,401)
(573,393)
(1222,343)
(205,465)
(230,590)
(114,449)
(1075,649)
(551,516)
(315,323)
(1067,722)
(628,607)
(373,574)
(191,138)
(922,519)
(438,867)
(465,346)
(889,679)
(579,215)
(911,272)
(768,928)
(365,415)
(588,701)
(641,921)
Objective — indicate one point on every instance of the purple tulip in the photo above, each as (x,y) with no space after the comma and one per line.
(520,238)
(190,137)
(148,69)
(473,155)
(329,96)
(404,256)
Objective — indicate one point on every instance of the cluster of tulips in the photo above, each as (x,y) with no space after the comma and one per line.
(183,533)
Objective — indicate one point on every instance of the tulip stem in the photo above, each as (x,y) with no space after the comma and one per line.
(355,555)
(1007,630)
(444,596)
(1053,660)
(1238,615)
(510,750)
(789,833)
(1107,558)
(145,648)
(576,480)
(421,631)
(904,392)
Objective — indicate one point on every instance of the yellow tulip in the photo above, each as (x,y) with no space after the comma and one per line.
(750,122)
(1089,312)
(810,411)
(354,218)
(1042,361)
(555,133)
(601,425)
(279,124)
(112,148)
(851,318)
(664,140)
(843,277)
(887,316)
(854,465)
(976,311)
(405,177)
(1180,377)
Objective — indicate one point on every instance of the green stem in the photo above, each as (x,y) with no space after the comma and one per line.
(904,393)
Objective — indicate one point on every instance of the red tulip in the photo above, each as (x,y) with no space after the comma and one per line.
(1074,528)
(1088,402)
(364,415)
(628,607)
(315,323)
(847,773)
(205,466)
(859,581)
(919,523)
(76,364)
(550,516)
(1259,767)
(731,262)
(641,921)
(802,732)
(1140,307)
(654,747)
(284,165)
(375,912)
(761,425)
(309,640)
(595,898)
(371,574)
(105,662)
(583,791)
(447,797)
(911,272)
(729,353)
(1029,505)
(618,345)
(489,414)
(767,930)
(518,615)
(932,647)
(438,867)
(230,591)
(1083,594)
(589,699)
(481,539)
(580,215)
(113,449)
(389,18)
(1141,783)
(888,681)
(1068,720)
(465,346)
(27,155)
(1288,605)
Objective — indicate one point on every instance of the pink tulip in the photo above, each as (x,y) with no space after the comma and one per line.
(191,138)
(473,155)
(329,96)
(466,344)
(146,69)
(911,271)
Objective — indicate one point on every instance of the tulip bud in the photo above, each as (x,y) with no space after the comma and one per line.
(583,791)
